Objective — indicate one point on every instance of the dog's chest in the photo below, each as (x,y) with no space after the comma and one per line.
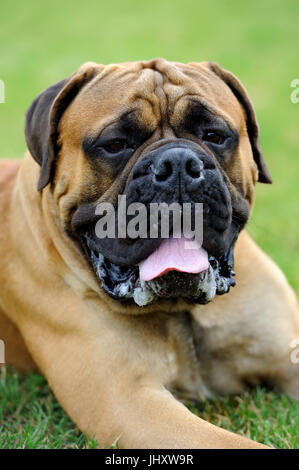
(184,363)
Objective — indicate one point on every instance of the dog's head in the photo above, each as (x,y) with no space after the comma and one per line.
(154,132)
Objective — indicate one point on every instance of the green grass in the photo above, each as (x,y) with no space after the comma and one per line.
(30,416)
(42,42)
(261,415)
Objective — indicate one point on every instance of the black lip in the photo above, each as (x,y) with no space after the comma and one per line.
(115,260)
(120,282)
(130,252)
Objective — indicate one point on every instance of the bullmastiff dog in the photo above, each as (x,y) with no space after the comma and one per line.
(117,325)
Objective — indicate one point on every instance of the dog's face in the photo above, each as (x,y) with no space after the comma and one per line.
(155,132)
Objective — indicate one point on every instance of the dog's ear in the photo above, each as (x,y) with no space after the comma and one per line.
(252,126)
(43,117)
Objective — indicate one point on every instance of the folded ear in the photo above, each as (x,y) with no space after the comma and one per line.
(43,117)
(251,121)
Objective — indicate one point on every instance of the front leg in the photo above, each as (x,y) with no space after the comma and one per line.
(109,373)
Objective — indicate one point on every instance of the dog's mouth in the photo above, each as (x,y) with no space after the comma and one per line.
(174,270)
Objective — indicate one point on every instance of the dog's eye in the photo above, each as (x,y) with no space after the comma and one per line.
(213,137)
(116,146)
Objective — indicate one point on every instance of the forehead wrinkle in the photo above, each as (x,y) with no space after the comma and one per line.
(146,83)
(161,95)
(171,70)
(149,79)
(152,79)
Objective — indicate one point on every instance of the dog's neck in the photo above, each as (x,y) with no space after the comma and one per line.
(50,243)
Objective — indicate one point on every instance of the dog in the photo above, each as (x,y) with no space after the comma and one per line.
(117,325)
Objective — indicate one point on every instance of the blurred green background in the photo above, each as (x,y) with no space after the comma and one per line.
(42,42)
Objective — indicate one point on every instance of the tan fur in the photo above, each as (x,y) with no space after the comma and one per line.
(111,366)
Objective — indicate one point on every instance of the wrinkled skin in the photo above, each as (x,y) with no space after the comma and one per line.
(161,123)
(112,364)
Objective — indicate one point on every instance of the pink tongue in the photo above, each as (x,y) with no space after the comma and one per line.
(174,255)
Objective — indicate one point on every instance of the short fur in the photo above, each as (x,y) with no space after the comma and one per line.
(112,365)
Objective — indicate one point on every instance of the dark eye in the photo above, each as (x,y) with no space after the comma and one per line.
(213,137)
(116,146)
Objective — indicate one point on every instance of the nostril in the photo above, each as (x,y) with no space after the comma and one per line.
(163,172)
(193,168)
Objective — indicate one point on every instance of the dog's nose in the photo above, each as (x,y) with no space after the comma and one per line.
(177,164)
